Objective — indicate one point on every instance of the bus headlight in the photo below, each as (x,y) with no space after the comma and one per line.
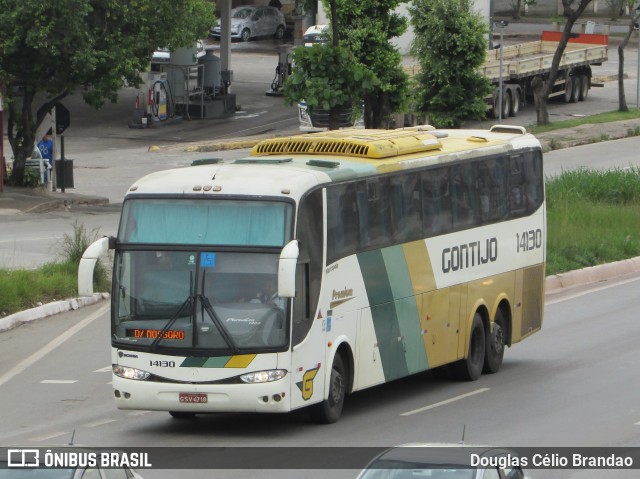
(130,373)
(263,376)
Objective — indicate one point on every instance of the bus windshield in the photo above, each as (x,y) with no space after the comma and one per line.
(200,275)
(198,300)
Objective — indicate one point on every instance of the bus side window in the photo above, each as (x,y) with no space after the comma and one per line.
(436,201)
(463,199)
(406,207)
(373,212)
(342,221)
(491,189)
(517,190)
(533,179)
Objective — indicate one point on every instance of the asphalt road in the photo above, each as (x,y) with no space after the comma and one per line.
(572,384)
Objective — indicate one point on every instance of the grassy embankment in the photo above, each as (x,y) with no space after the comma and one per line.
(593,218)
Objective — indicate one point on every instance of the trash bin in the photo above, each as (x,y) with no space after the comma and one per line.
(65,180)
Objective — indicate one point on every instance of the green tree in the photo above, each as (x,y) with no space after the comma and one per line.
(365,28)
(542,86)
(328,77)
(49,50)
(449,45)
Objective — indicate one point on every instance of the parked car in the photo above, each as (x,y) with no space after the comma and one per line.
(163,54)
(316,34)
(253,21)
(444,461)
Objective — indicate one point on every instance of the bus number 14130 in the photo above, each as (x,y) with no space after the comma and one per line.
(529,240)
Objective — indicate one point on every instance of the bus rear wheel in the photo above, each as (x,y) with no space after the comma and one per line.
(329,410)
(495,344)
(470,368)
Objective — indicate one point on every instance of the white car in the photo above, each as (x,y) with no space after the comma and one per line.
(316,34)
(252,21)
(318,120)
(163,54)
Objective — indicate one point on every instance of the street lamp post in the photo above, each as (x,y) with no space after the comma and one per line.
(501,25)
(638,71)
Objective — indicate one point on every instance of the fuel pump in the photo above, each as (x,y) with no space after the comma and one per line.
(283,70)
(158,101)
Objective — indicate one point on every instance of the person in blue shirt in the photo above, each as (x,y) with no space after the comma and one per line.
(46,150)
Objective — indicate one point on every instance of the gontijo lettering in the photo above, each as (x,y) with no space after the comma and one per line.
(469,255)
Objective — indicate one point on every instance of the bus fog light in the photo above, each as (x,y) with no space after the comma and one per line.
(263,376)
(130,373)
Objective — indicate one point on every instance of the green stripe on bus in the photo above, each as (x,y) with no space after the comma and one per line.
(406,308)
(194,362)
(383,312)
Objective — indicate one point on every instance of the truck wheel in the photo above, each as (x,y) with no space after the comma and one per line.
(575,89)
(568,89)
(515,102)
(506,104)
(584,87)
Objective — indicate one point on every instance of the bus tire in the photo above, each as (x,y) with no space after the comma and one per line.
(329,410)
(470,368)
(182,415)
(495,344)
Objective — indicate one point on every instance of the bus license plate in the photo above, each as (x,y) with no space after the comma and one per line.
(193,397)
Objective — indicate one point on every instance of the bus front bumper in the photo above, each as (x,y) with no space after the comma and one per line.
(202,398)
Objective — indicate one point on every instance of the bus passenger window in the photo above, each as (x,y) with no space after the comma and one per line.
(463,199)
(406,207)
(436,201)
(373,210)
(342,221)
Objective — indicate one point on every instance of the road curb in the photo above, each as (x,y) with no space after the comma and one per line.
(50,309)
(592,274)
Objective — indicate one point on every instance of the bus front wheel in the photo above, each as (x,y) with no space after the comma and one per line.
(470,368)
(495,345)
(329,410)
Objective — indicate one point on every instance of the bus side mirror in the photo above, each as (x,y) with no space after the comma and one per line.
(287,270)
(88,262)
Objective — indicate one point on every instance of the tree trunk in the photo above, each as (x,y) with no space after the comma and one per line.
(539,89)
(622,100)
(516,9)
(21,134)
(333,111)
(571,16)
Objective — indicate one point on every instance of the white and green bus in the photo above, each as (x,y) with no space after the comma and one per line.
(324,264)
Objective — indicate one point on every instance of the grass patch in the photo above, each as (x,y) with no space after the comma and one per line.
(593,217)
(607,117)
(24,289)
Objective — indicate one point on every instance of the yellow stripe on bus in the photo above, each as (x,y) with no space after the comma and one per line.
(240,361)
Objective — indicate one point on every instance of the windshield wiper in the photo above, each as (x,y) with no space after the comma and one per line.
(171,322)
(218,323)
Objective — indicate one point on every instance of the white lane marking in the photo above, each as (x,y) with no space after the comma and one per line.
(637,424)
(446,401)
(49,436)
(138,413)
(106,369)
(99,423)
(592,290)
(53,344)
(58,381)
